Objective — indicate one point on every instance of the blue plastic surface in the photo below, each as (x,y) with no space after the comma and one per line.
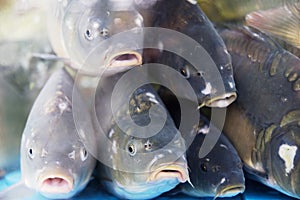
(95,191)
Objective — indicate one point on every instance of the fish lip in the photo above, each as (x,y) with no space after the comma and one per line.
(222,101)
(62,182)
(175,170)
(125,59)
(230,191)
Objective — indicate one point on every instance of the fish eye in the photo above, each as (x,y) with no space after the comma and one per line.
(30,153)
(131,149)
(203,167)
(185,72)
(83,154)
(88,34)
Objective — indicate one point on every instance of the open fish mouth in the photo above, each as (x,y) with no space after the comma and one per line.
(126,59)
(221,101)
(170,172)
(56,183)
(230,191)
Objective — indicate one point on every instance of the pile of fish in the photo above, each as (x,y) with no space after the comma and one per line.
(112,111)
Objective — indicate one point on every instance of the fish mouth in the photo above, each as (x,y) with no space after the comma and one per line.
(178,171)
(222,101)
(230,191)
(56,183)
(126,59)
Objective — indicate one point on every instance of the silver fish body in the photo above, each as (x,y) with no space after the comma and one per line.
(54,160)
(86,34)
(263,124)
(133,164)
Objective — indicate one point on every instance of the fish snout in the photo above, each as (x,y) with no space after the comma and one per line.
(125,59)
(231,186)
(55,182)
(171,171)
(230,191)
(221,101)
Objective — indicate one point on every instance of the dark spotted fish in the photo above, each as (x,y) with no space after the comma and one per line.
(191,21)
(218,174)
(54,160)
(263,124)
(282,22)
(137,164)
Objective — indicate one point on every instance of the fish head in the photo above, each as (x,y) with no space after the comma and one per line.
(56,164)
(220,172)
(222,175)
(206,86)
(54,159)
(147,167)
(99,36)
(285,160)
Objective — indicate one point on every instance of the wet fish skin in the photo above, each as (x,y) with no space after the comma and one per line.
(271,62)
(218,174)
(54,160)
(191,21)
(221,164)
(281,22)
(291,48)
(84,26)
(137,168)
(262,123)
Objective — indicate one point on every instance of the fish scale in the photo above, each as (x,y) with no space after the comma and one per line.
(266,69)
(136,164)
(217,174)
(191,21)
(263,123)
(78,31)
(54,159)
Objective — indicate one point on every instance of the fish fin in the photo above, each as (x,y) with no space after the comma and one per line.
(279,22)
(255,175)
(253,33)
(16,192)
(47,56)
(190,182)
